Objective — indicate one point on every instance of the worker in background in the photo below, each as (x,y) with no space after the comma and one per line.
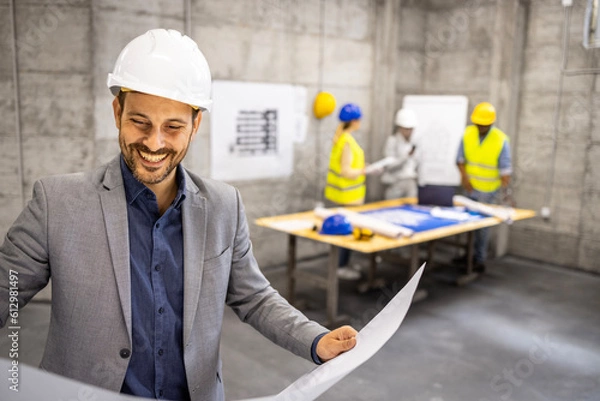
(400,178)
(346,176)
(144,255)
(484,162)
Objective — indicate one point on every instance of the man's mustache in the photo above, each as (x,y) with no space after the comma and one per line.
(143,148)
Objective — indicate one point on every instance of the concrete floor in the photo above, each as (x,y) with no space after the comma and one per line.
(523,331)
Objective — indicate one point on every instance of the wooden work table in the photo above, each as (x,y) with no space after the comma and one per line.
(301,225)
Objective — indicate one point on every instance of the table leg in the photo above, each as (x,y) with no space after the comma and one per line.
(291,269)
(372,267)
(420,294)
(470,276)
(470,242)
(414,260)
(430,251)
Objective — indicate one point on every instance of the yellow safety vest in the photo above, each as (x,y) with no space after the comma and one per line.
(342,190)
(481,159)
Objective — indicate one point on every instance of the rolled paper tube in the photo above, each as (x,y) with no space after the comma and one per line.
(505,214)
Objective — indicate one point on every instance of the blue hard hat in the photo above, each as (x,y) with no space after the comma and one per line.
(336,224)
(350,112)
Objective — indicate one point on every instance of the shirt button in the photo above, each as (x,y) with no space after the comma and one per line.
(161,310)
(125,353)
(157,268)
(157,225)
(160,352)
(160,393)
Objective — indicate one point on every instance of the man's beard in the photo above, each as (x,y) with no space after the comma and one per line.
(137,168)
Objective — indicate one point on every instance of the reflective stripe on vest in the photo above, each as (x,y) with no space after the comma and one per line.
(481,159)
(339,189)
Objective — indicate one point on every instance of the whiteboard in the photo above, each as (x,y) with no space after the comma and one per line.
(441,124)
(253,127)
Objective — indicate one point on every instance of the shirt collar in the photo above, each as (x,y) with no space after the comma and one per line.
(133,188)
(486,134)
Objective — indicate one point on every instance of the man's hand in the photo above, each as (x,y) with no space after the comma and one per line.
(464,178)
(466,184)
(336,342)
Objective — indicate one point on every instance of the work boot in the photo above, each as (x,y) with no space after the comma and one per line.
(460,260)
(478,266)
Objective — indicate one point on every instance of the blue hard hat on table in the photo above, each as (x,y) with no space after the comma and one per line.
(336,224)
(349,112)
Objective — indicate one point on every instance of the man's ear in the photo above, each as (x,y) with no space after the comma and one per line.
(196,123)
(117,111)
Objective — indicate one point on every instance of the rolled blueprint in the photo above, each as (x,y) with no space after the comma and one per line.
(451,214)
(506,214)
(362,221)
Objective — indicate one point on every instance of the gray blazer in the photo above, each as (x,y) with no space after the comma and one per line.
(75,230)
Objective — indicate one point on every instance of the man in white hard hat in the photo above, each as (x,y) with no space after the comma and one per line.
(143,254)
(400,178)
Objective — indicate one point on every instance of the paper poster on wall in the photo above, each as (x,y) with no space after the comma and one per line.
(253,126)
(442,121)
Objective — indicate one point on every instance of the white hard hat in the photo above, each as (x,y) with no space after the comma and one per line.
(164,63)
(406,118)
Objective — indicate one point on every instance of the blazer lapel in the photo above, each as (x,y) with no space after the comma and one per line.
(114,208)
(194,239)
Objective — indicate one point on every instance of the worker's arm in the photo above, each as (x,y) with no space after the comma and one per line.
(460,162)
(400,153)
(347,170)
(464,178)
(505,164)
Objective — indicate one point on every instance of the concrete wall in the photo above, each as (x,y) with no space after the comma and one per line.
(372,52)
(570,237)
(67,47)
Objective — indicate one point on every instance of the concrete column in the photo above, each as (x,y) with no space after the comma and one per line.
(506,68)
(385,53)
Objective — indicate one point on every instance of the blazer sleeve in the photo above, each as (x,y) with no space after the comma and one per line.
(24,254)
(255,302)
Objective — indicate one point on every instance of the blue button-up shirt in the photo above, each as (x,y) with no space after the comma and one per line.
(156,369)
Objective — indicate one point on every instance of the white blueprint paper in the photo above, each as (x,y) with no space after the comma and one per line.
(368,341)
(35,384)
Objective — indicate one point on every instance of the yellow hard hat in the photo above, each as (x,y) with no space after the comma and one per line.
(484,114)
(324,104)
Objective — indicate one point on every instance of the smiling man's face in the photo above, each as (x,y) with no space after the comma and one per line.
(154,135)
